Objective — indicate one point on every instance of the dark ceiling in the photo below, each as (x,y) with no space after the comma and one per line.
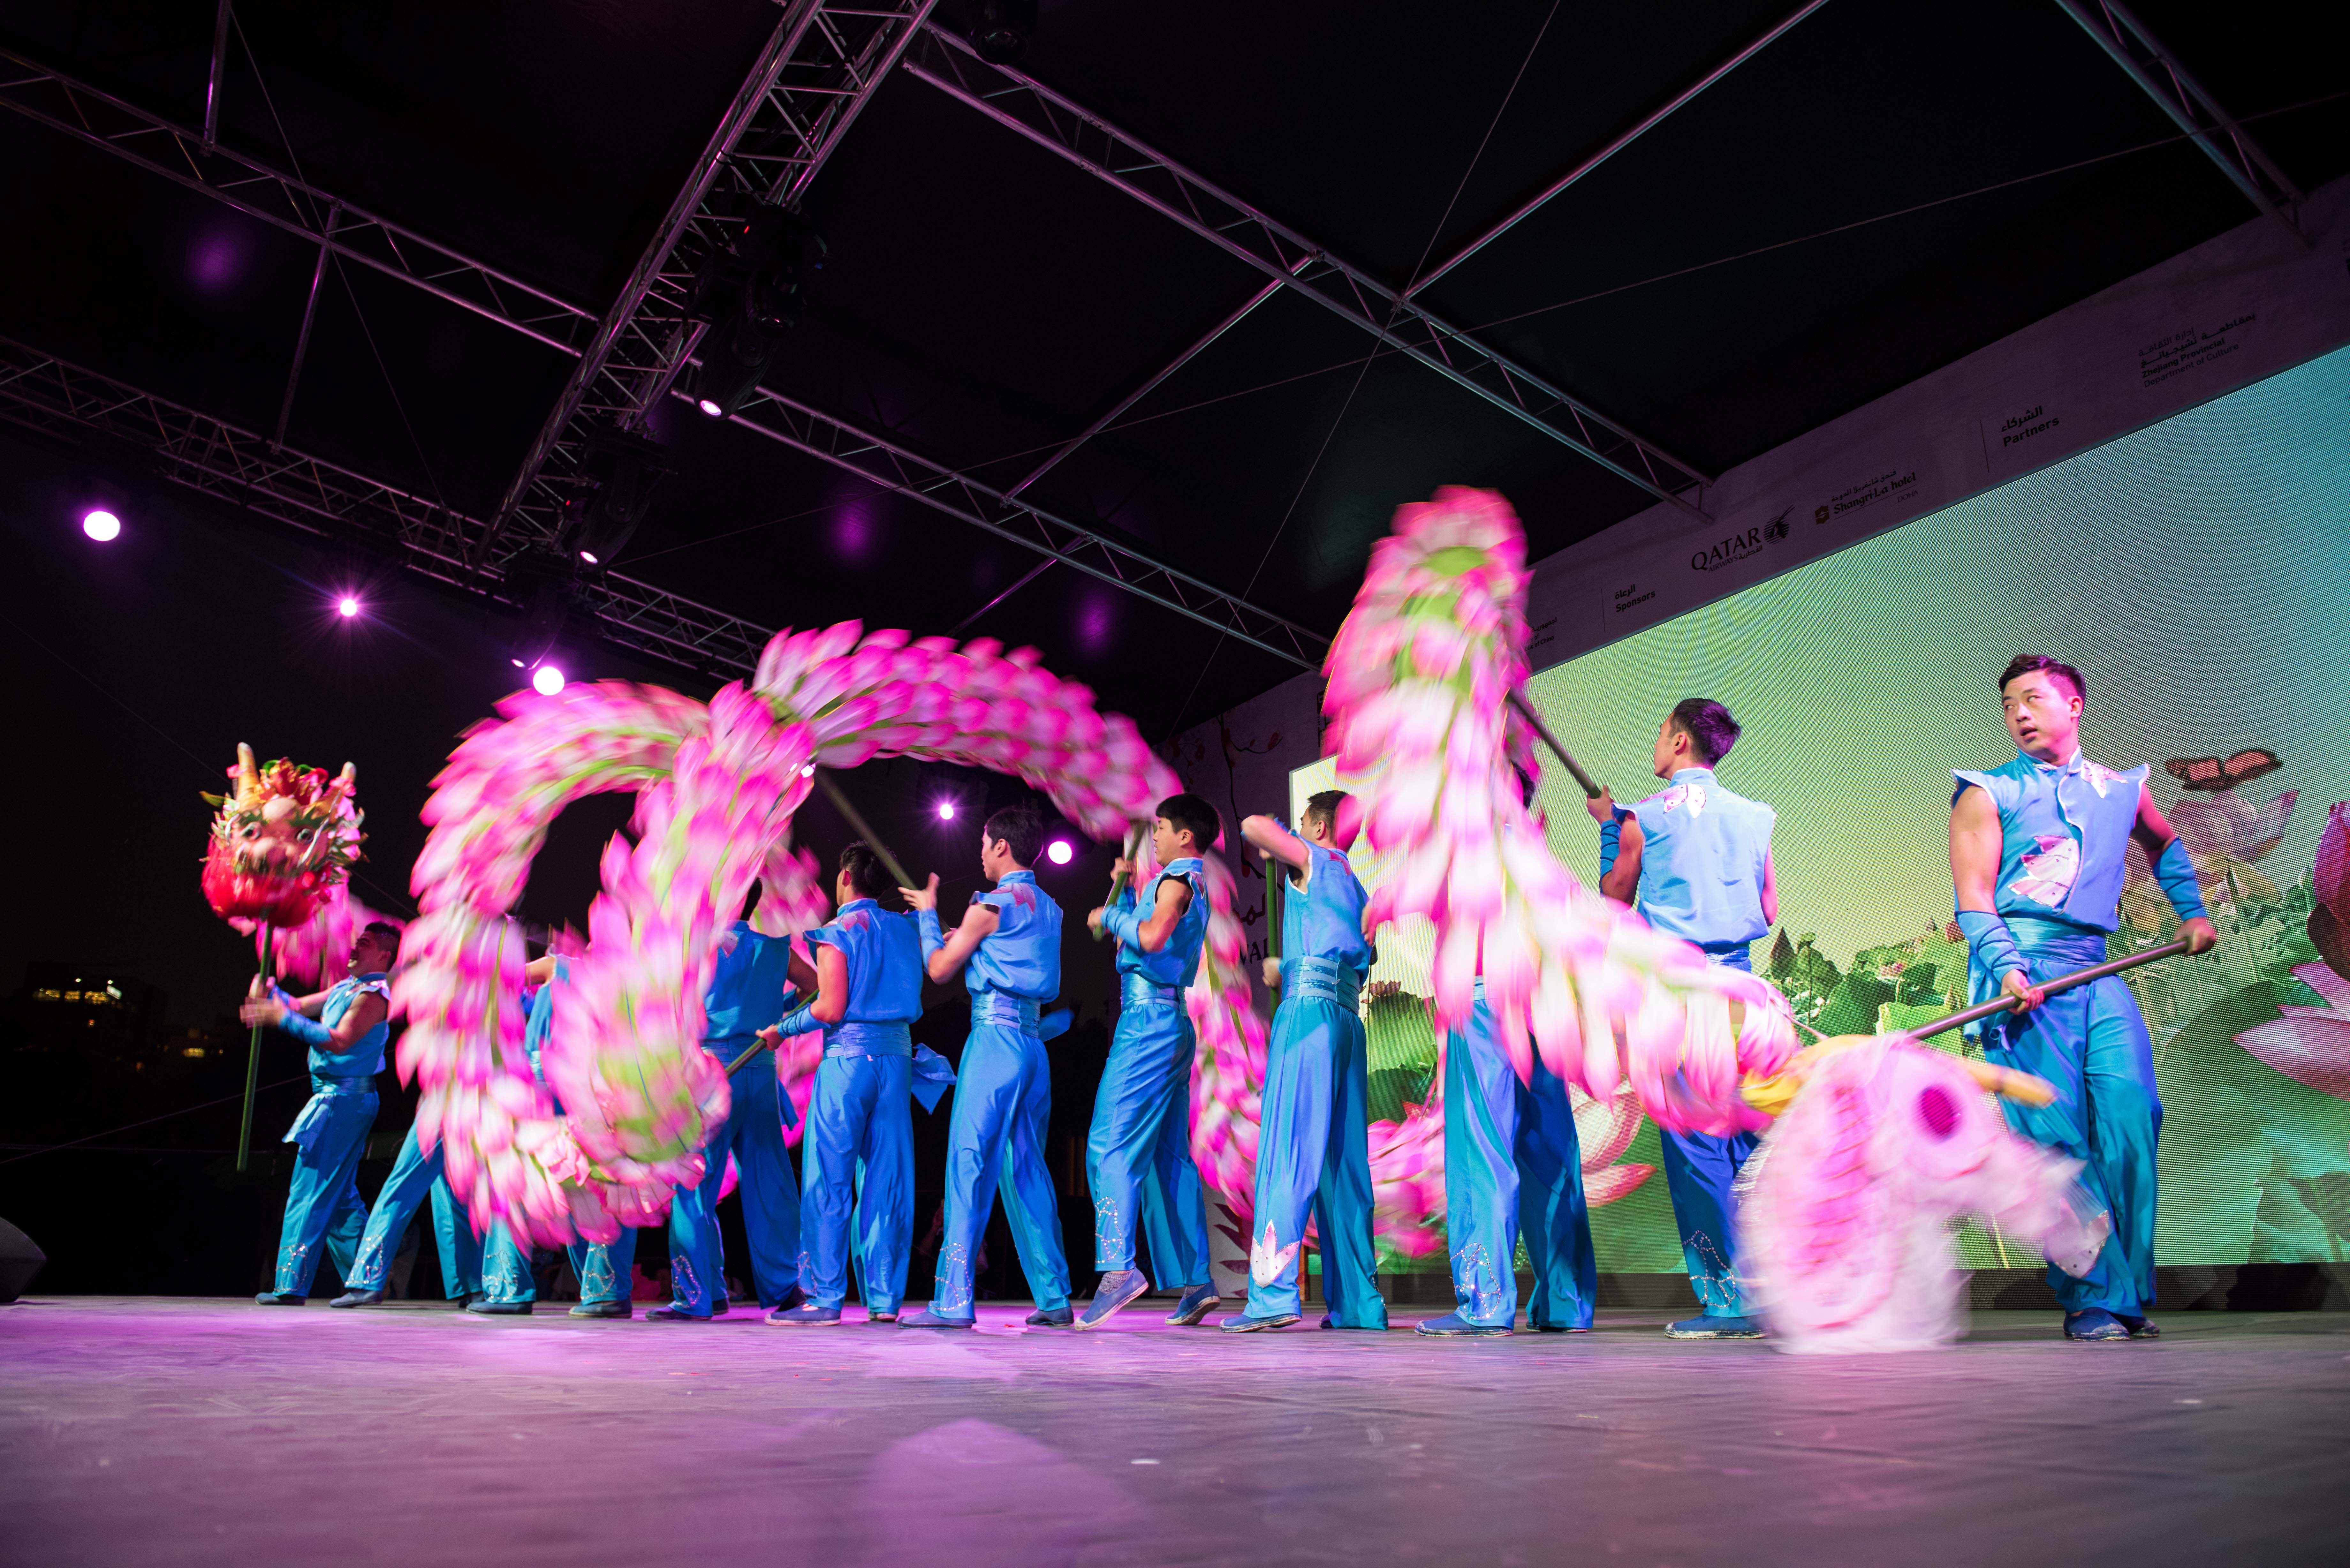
(1747,270)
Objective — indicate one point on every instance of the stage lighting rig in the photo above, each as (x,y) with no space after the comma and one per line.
(749,291)
(547,591)
(623,469)
(1000,29)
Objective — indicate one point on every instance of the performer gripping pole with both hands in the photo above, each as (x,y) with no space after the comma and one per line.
(1699,858)
(1009,944)
(2037,849)
(345,1026)
(1312,1145)
(1138,1154)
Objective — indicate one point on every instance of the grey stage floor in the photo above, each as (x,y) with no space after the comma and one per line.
(136,1431)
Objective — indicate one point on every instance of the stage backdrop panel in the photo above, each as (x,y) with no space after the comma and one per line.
(2198,572)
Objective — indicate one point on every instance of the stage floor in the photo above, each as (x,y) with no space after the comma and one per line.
(146,1431)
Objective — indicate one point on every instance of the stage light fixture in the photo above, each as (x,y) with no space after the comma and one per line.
(547,679)
(946,811)
(1000,30)
(1058,852)
(102,525)
(546,591)
(347,606)
(748,291)
(621,471)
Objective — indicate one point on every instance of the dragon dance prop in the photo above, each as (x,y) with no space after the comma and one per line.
(716,787)
(283,841)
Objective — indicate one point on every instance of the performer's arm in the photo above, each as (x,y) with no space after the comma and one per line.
(798,972)
(538,971)
(1974,867)
(2173,868)
(361,1017)
(1623,879)
(943,955)
(1278,843)
(1174,897)
(831,1004)
(1770,889)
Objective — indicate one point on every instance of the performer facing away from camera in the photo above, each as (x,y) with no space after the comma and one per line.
(1698,857)
(1139,1153)
(1312,1145)
(2037,858)
(345,1026)
(1009,946)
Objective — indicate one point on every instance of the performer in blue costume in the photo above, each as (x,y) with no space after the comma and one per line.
(747,994)
(414,1175)
(1313,1138)
(345,1027)
(1699,857)
(1138,1152)
(858,1148)
(604,1269)
(2037,850)
(1010,939)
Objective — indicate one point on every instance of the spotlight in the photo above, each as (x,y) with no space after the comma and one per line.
(548,680)
(748,291)
(622,470)
(347,606)
(546,591)
(1058,852)
(100,524)
(1000,29)
(946,811)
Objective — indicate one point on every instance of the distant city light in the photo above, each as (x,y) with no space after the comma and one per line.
(1058,852)
(348,606)
(100,524)
(547,679)
(946,811)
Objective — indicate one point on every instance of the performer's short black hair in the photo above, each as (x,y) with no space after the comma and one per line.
(1189,811)
(2040,663)
(1708,726)
(1021,830)
(385,932)
(864,871)
(1322,806)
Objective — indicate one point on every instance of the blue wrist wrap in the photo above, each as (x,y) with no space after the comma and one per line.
(1122,922)
(308,1031)
(1989,940)
(1611,839)
(800,1020)
(2175,869)
(933,939)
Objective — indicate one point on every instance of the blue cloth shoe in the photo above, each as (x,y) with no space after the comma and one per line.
(935,1320)
(2095,1326)
(358,1299)
(1715,1328)
(806,1315)
(1242,1323)
(2139,1327)
(1058,1317)
(1562,1328)
(888,1314)
(673,1314)
(277,1298)
(1330,1322)
(1118,1287)
(499,1309)
(602,1309)
(1452,1326)
(1197,1302)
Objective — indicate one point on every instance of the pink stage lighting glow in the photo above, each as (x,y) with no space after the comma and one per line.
(347,605)
(710,406)
(548,680)
(100,524)
(946,811)
(1058,852)
(588,556)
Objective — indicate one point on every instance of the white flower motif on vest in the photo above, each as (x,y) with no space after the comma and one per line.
(2099,776)
(1689,795)
(2049,874)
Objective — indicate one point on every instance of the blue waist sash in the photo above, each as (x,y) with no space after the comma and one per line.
(324,1092)
(1139,990)
(1320,980)
(1014,1012)
(869,1039)
(2074,946)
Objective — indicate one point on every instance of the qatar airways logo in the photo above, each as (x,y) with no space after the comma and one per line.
(1737,546)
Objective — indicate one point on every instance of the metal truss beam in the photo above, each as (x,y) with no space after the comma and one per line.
(49,396)
(1025,105)
(2178,94)
(101,121)
(1655,117)
(817,73)
(903,472)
